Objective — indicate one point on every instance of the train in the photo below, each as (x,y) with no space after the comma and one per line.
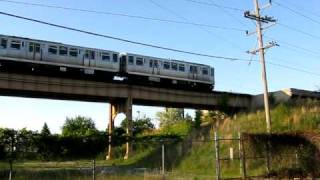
(102,64)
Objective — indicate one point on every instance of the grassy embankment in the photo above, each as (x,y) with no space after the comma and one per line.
(286,118)
(199,159)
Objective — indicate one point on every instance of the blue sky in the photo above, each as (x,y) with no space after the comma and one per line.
(230,76)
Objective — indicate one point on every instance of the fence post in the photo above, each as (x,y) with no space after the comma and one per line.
(162,159)
(11,169)
(216,143)
(93,169)
(268,162)
(242,154)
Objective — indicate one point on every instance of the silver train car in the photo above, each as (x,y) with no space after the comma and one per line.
(135,68)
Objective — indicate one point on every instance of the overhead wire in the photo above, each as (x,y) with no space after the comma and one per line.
(224,9)
(298,30)
(293,68)
(295,47)
(296,12)
(216,5)
(306,10)
(154,46)
(201,28)
(125,15)
(122,39)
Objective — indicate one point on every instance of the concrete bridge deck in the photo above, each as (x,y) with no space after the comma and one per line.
(84,90)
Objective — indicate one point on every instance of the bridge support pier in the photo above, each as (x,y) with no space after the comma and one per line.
(121,106)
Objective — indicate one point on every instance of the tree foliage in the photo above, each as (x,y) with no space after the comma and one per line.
(139,125)
(197,118)
(79,127)
(45,131)
(170,116)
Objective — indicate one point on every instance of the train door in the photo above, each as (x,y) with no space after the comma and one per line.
(193,72)
(89,58)
(34,51)
(123,64)
(155,66)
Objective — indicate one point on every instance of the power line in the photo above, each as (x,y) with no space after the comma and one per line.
(185,19)
(155,46)
(293,68)
(126,15)
(296,12)
(216,5)
(310,12)
(229,14)
(299,31)
(122,39)
(295,47)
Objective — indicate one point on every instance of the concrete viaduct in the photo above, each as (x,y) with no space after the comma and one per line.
(119,95)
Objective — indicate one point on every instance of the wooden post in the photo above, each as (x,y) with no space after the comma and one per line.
(240,153)
(113,112)
(268,154)
(162,159)
(11,169)
(128,111)
(216,143)
(93,169)
(231,153)
(242,157)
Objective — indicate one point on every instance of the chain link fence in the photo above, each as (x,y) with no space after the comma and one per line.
(235,156)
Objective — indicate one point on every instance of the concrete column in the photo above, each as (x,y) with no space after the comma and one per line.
(128,111)
(113,113)
(115,108)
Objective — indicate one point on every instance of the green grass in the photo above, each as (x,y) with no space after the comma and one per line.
(198,160)
(285,118)
(300,117)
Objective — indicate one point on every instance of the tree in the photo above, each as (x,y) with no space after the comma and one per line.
(25,142)
(79,127)
(197,118)
(45,131)
(139,125)
(214,117)
(170,116)
(8,142)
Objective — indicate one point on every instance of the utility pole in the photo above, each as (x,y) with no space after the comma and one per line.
(261,50)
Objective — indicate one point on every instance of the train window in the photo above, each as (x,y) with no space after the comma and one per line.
(155,63)
(205,71)
(212,72)
(34,47)
(174,66)
(53,49)
(181,67)
(194,69)
(130,60)
(89,54)
(115,57)
(3,43)
(166,65)
(15,44)
(150,63)
(139,61)
(63,50)
(73,52)
(105,57)
(31,47)
(37,46)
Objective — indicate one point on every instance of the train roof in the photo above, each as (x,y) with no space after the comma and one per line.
(96,49)
(58,43)
(167,59)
